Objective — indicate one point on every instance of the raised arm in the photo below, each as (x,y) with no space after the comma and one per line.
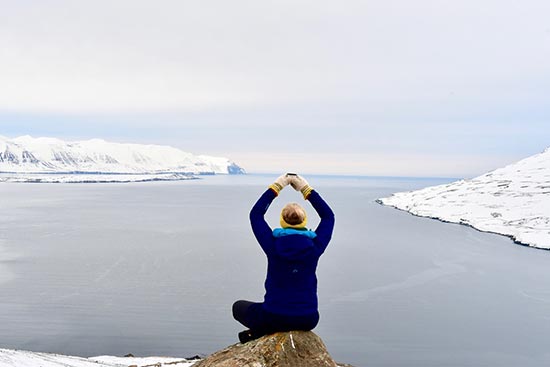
(260,228)
(325,228)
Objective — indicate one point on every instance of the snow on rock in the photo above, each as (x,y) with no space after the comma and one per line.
(513,201)
(92,177)
(20,358)
(143,361)
(26,154)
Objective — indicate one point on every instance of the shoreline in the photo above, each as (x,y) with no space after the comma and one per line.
(18,358)
(469,225)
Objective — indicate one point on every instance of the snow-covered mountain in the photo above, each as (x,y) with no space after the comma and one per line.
(513,201)
(26,154)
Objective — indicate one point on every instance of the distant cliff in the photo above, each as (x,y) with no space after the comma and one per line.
(513,201)
(48,155)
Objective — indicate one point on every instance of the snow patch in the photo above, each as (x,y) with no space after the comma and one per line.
(92,178)
(20,358)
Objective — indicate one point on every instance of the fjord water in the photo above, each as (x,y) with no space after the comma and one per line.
(153,268)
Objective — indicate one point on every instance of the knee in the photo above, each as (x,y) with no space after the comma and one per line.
(234,308)
(237,309)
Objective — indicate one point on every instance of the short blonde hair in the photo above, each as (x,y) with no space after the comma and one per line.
(293,214)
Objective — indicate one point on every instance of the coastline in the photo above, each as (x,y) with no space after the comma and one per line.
(22,358)
(511,201)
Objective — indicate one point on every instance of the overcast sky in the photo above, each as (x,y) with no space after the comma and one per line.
(393,87)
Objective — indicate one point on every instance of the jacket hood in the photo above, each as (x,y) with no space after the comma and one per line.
(294,247)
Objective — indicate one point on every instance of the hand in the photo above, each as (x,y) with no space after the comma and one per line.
(300,184)
(280,183)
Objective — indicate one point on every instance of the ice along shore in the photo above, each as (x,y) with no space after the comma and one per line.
(513,201)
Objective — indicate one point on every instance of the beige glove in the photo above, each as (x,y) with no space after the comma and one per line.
(300,184)
(280,183)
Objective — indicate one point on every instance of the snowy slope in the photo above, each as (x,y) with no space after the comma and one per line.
(19,358)
(48,155)
(92,177)
(513,201)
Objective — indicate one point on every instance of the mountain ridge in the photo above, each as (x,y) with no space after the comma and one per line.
(28,155)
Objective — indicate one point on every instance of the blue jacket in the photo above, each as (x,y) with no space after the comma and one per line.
(291,283)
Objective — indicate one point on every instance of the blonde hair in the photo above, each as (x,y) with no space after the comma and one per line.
(293,214)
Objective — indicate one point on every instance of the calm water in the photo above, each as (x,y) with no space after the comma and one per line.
(153,268)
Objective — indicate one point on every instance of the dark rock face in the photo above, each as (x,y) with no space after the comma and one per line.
(9,157)
(288,349)
(233,169)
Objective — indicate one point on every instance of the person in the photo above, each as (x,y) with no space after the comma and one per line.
(293,251)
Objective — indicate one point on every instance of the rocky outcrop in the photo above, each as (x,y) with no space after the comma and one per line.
(284,349)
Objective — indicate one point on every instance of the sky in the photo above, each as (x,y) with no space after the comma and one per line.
(388,88)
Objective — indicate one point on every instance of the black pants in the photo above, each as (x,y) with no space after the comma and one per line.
(253,316)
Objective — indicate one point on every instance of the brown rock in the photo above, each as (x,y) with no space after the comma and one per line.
(288,349)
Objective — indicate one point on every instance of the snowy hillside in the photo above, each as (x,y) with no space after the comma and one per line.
(513,201)
(47,155)
(18,358)
(92,177)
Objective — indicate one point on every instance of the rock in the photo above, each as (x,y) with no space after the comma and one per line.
(283,349)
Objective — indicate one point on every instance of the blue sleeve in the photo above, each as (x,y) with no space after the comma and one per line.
(262,231)
(325,228)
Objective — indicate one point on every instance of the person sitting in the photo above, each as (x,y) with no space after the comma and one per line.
(293,251)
